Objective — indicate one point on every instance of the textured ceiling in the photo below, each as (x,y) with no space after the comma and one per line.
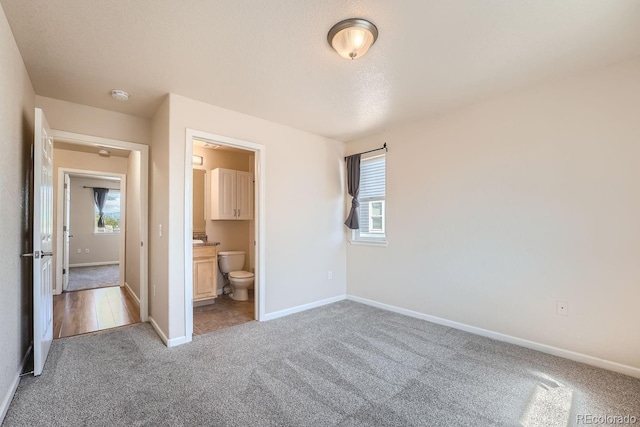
(270,58)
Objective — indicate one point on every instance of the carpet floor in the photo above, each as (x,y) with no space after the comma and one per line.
(344,364)
(101,276)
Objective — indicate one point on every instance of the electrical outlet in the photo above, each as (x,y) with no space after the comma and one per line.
(563,308)
(86,251)
(330,275)
(79,250)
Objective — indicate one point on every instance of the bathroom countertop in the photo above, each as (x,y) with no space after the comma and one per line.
(206,244)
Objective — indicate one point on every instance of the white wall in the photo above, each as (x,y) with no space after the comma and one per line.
(304,212)
(498,211)
(102,248)
(16,136)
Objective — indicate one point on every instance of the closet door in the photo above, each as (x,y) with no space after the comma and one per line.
(244,195)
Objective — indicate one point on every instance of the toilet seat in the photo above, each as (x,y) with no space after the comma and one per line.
(241,275)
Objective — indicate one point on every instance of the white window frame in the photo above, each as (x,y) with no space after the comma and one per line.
(382,215)
(358,237)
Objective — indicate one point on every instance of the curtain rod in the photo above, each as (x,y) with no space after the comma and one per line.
(93,188)
(384,147)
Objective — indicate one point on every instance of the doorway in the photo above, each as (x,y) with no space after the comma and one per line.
(253,307)
(93,204)
(107,291)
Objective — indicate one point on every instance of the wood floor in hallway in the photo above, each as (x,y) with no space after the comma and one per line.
(92,310)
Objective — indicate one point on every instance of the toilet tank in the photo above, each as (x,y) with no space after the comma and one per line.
(229,261)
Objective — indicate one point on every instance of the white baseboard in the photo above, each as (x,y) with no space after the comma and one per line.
(168,342)
(560,352)
(94,264)
(6,401)
(299,308)
(133,294)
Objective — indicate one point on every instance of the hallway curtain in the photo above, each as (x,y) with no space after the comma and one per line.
(100,197)
(353,182)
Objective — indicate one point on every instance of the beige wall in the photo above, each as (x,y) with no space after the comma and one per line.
(102,248)
(304,207)
(70,117)
(232,235)
(498,211)
(16,136)
(159,217)
(132,242)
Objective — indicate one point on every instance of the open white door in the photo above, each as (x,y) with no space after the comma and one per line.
(65,231)
(42,242)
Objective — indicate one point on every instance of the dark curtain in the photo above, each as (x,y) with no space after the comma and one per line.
(353,182)
(100,197)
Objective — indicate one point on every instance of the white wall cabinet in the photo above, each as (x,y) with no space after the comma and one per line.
(231,194)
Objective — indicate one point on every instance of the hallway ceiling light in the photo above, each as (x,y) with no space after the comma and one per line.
(353,37)
(120,95)
(104,153)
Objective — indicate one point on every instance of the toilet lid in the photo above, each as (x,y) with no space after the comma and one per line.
(240,274)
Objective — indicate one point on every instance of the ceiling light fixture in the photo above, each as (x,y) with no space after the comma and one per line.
(104,153)
(353,37)
(120,95)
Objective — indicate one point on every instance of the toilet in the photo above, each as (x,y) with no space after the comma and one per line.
(231,263)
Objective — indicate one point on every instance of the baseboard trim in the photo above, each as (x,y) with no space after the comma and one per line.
(133,294)
(168,342)
(6,401)
(544,348)
(303,307)
(94,264)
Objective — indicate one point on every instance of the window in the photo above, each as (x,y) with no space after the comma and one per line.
(111,213)
(372,201)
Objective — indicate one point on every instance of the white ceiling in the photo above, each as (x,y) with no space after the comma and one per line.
(270,58)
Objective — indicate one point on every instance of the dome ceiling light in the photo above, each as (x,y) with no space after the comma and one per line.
(353,37)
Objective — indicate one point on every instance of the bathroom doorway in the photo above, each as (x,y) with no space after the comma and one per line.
(223,215)
(223,188)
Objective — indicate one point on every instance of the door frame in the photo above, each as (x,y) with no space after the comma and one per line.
(66,229)
(259,151)
(81,139)
(62,171)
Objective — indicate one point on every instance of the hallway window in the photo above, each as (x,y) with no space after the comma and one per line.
(111,214)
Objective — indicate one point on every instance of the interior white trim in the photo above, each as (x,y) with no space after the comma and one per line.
(168,342)
(92,264)
(81,139)
(6,401)
(259,215)
(544,348)
(60,220)
(133,295)
(161,334)
(303,307)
